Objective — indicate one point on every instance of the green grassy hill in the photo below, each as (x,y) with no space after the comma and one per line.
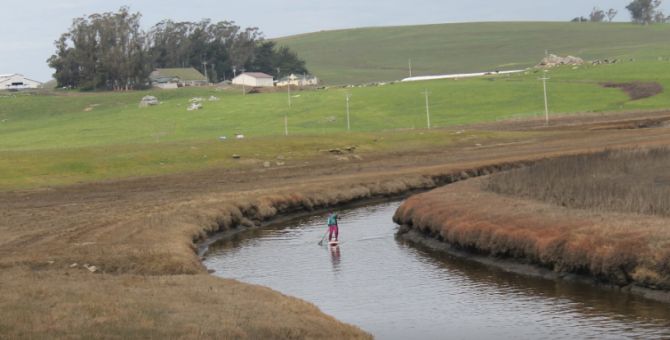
(64,137)
(382,53)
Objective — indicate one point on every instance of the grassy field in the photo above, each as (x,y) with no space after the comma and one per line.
(382,53)
(65,137)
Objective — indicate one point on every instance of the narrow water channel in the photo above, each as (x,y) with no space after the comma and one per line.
(395,290)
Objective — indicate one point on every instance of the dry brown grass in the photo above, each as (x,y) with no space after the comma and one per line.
(620,249)
(71,305)
(634,181)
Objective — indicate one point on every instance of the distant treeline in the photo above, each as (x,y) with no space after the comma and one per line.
(641,12)
(110,51)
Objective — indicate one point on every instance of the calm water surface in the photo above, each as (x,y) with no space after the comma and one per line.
(395,290)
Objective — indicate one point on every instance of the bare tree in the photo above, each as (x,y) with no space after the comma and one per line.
(597,15)
(611,13)
(660,18)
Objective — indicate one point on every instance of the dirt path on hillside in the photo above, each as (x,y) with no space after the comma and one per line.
(139,233)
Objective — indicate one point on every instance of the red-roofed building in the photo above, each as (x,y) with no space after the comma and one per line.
(254,79)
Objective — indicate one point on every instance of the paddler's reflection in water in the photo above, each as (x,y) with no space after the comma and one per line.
(335,257)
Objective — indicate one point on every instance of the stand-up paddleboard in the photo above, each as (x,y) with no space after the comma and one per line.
(333,243)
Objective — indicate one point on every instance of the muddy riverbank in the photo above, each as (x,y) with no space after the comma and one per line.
(623,251)
(526,268)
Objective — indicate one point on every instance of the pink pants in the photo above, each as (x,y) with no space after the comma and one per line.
(332,229)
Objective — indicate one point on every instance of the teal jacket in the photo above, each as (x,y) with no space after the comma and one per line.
(332,219)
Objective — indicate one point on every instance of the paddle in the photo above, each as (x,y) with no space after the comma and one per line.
(323,238)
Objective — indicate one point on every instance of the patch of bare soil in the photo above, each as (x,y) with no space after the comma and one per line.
(582,121)
(645,123)
(637,90)
(118,258)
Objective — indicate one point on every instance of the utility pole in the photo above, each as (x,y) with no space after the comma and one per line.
(288,88)
(348,121)
(546,104)
(234,71)
(426,93)
(214,73)
(289,93)
(204,66)
(410,67)
(244,87)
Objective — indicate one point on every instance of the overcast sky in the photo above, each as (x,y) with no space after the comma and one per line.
(30,27)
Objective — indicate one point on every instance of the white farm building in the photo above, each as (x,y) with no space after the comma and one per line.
(17,82)
(172,78)
(298,80)
(254,79)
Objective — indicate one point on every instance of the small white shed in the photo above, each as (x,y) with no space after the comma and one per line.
(17,82)
(254,79)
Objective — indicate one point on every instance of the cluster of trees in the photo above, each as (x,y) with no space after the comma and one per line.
(102,51)
(219,50)
(598,15)
(647,12)
(641,12)
(110,51)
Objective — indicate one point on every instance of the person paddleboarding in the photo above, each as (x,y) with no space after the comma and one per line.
(333,229)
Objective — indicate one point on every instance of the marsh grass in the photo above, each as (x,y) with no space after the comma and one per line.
(76,305)
(631,181)
(612,248)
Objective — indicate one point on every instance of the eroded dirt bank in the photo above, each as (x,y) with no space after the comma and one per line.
(625,250)
(140,235)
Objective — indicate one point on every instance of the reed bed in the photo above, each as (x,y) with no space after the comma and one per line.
(613,248)
(630,181)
